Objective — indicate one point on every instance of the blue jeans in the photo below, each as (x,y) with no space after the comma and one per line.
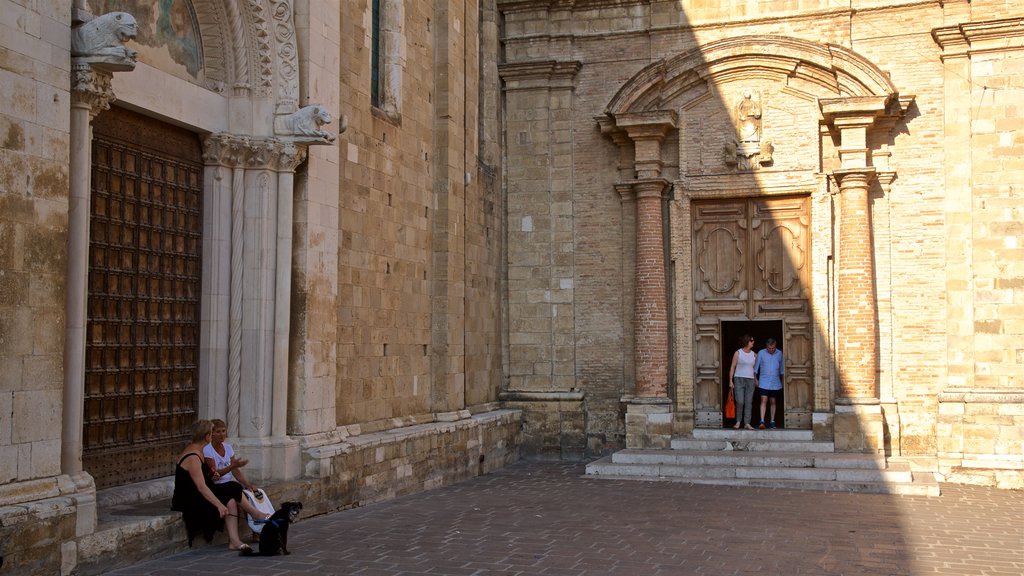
(743,395)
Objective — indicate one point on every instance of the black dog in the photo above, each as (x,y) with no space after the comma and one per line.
(274,537)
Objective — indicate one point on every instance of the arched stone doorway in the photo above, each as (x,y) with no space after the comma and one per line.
(762,122)
(227,73)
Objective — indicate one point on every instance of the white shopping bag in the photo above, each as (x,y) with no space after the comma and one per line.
(261,501)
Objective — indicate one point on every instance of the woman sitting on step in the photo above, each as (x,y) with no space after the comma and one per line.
(200,508)
(228,478)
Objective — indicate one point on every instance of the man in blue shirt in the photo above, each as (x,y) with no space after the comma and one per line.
(769,367)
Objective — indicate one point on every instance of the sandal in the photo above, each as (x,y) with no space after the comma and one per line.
(244,549)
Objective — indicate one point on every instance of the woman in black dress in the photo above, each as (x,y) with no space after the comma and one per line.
(202,511)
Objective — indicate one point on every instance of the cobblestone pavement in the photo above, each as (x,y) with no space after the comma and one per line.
(548,519)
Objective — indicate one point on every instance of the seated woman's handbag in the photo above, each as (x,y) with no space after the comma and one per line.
(261,502)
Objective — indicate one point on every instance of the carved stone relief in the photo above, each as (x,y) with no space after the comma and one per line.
(100,42)
(306,125)
(748,150)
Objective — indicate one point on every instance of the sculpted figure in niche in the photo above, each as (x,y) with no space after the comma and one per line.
(748,151)
(748,117)
(101,40)
(306,123)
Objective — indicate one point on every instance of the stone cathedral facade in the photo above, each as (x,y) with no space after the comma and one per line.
(395,244)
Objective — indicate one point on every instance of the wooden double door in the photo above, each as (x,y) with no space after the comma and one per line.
(751,274)
(142,343)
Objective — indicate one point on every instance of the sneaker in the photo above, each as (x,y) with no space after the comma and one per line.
(771,424)
(761,426)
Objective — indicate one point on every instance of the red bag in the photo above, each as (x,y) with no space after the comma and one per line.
(730,406)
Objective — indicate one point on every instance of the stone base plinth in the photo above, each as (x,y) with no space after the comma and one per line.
(981,437)
(649,423)
(859,428)
(554,427)
(270,459)
(823,426)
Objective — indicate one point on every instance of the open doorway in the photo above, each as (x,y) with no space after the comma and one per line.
(761,330)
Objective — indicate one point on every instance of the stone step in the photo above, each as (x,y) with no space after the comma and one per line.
(800,471)
(794,459)
(134,524)
(770,434)
(919,487)
(753,444)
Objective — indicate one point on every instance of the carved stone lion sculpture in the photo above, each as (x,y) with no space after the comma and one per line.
(101,40)
(306,123)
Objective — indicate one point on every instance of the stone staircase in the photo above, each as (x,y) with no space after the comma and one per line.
(766,458)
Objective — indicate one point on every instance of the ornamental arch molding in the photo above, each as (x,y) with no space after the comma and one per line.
(833,69)
(249,49)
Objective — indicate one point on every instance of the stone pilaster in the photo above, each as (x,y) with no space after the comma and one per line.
(856,313)
(649,410)
(858,423)
(541,272)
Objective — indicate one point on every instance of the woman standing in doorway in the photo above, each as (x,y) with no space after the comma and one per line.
(742,381)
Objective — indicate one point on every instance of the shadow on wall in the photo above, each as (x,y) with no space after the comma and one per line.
(715,192)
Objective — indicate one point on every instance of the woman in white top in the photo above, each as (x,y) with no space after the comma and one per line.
(228,478)
(742,381)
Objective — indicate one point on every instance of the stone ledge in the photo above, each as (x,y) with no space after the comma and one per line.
(983,396)
(40,489)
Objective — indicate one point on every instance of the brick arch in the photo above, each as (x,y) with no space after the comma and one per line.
(831,70)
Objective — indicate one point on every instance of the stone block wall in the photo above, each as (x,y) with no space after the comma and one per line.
(34,155)
(380,466)
(553,426)
(421,222)
(981,438)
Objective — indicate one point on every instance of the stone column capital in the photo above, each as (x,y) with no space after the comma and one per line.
(849,178)
(644,188)
(853,111)
(238,151)
(652,125)
(651,187)
(91,88)
(647,130)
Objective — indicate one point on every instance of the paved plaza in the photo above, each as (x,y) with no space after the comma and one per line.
(549,519)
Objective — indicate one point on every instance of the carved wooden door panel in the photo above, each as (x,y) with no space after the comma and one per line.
(751,261)
(142,344)
(780,282)
(721,250)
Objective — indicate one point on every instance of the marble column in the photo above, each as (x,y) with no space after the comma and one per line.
(247,310)
(93,64)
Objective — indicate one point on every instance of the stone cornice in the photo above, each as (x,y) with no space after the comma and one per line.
(541,396)
(508,6)
(539,74)
(987,36)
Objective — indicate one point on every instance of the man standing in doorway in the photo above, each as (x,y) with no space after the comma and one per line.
(769,367)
